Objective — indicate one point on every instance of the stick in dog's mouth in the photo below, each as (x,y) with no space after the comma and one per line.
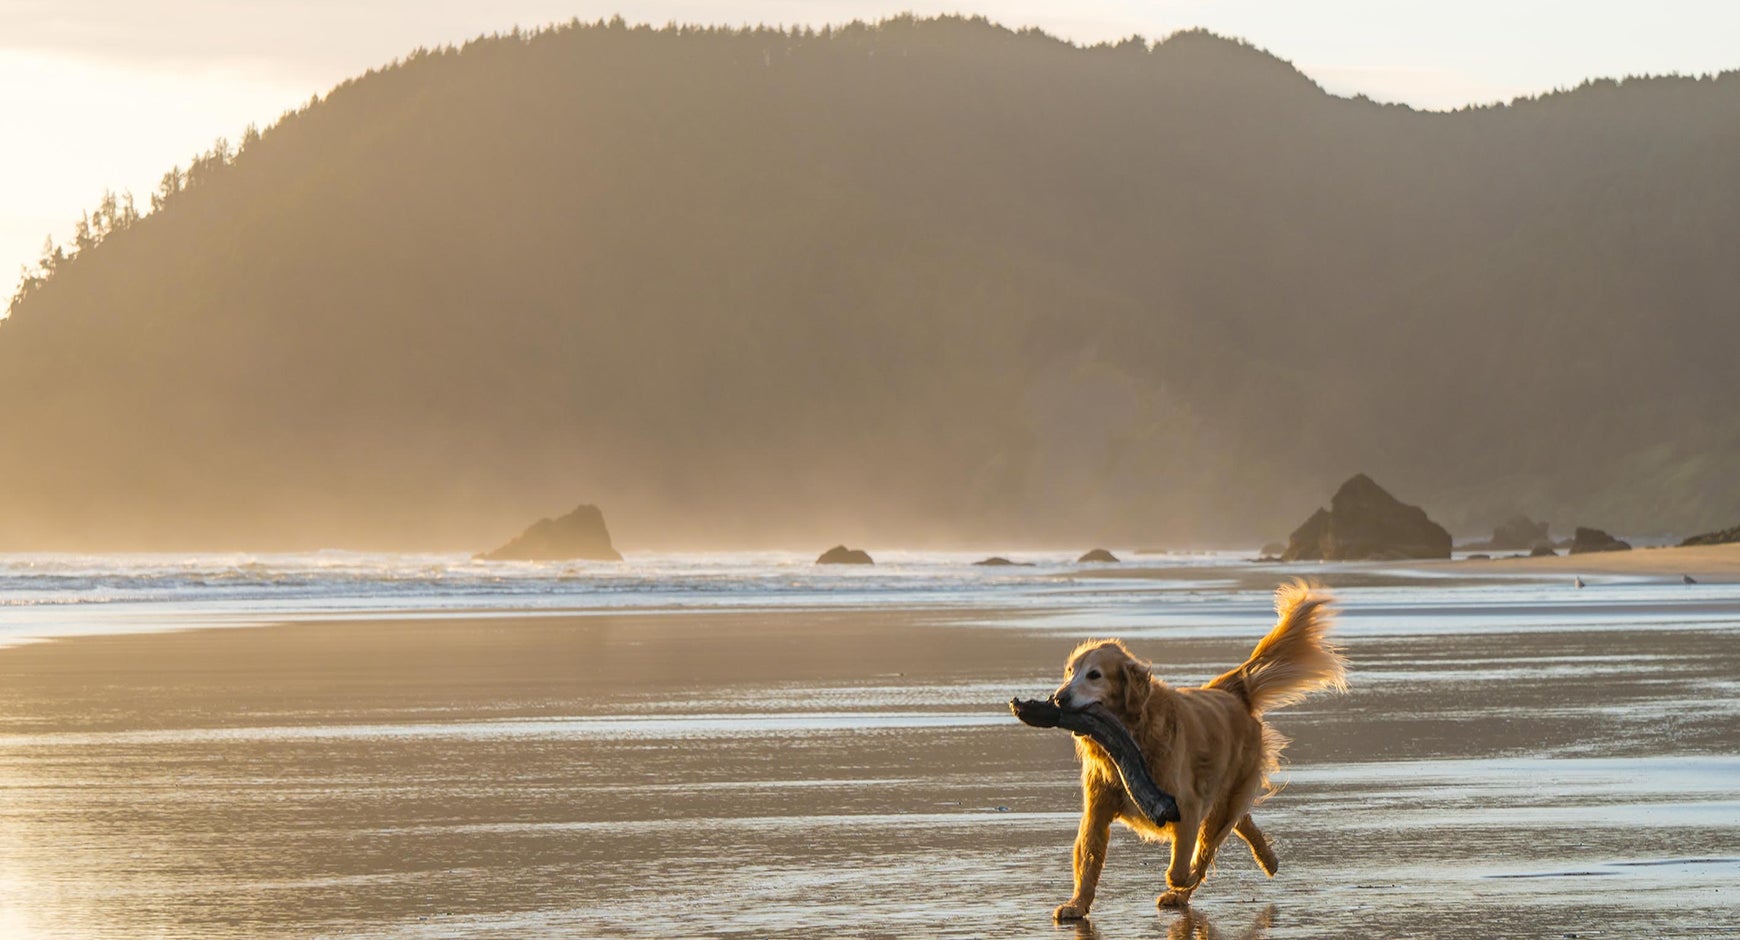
(1105,729)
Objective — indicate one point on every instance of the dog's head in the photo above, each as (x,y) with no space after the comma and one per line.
(1104,671)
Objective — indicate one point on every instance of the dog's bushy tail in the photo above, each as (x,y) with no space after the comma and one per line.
(1295,659)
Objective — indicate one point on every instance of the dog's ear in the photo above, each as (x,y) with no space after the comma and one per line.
(1137,688)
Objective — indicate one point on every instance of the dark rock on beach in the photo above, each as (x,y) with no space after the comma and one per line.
(1098,556)
(1543,550)
(1588,540)
(998,561)
(1364,521)
(1517,533)
(578,535)
(1722,537)
(841,555)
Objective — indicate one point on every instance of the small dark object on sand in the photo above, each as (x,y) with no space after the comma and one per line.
(1687,579)
(1106,730)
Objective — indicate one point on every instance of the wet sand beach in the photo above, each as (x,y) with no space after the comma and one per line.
(851,773)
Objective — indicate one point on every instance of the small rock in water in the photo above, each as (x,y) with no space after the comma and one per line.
(1577,581)
(580,534)
(1594,540)
(1687,579)
(841,555)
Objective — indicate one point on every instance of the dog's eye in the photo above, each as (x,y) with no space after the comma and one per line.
(1093,674)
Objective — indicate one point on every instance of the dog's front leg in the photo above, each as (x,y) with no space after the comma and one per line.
(1179,882)
(1100,801)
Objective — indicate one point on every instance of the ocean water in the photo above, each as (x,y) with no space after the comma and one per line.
(1175,594)
(48,595)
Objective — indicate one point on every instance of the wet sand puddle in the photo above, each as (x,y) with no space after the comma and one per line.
(779,840)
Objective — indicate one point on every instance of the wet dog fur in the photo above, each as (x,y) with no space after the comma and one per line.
(1208,746)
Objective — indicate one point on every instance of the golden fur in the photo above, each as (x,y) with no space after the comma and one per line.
(1207,746)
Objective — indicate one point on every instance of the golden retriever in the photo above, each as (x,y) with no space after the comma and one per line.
(1207,746)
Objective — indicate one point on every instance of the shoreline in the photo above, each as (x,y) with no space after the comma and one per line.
(1713,564)
(987,593)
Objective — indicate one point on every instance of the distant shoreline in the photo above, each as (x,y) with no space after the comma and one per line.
(1716,564)
(1703,562)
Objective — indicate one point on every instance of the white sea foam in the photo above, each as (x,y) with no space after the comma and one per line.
(46,595)
(50,595)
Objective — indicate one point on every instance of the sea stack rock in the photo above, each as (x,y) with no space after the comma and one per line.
(578,535)
(1518,533)
(1098,556)
(841,555)
(1594,540)
(998,561)
(1364,521)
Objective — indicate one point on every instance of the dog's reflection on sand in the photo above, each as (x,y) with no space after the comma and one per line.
(1191,924)
(1084,930)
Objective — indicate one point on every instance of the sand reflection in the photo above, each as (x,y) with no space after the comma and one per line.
(1194,924)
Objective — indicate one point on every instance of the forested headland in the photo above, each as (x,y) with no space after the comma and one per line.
(916,282)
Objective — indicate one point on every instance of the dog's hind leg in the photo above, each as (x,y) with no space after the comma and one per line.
(1215,831)
(1248,831)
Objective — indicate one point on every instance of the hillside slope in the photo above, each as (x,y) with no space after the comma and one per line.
(915,282)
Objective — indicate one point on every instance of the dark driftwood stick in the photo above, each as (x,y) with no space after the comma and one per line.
(1110,733)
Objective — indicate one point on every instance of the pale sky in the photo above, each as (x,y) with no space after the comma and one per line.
(110,93)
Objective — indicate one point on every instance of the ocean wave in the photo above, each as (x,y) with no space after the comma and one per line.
(168,586)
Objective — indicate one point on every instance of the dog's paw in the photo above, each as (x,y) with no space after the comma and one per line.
(1068,912)
(1173,899)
